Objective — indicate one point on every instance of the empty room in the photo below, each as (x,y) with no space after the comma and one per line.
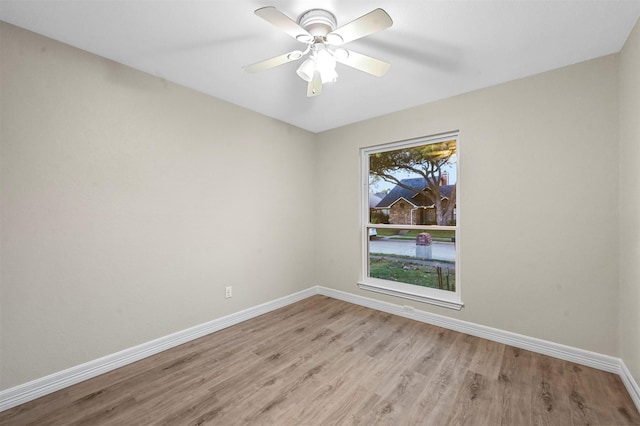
(296,213)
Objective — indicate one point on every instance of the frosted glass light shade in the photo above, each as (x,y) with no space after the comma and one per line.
(326,64)
(306,69)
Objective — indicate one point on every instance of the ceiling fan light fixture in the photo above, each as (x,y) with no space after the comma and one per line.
(306,69)
(326,64)
(329,76)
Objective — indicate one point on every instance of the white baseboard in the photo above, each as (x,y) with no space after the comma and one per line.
(29,391)
(630,384)
(556,350)
(40,387)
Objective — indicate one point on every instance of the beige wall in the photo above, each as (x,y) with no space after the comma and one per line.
(129,203)
(630,202)
(538,202)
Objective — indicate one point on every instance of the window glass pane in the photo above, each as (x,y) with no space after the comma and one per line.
(410,220)
(414,186)
(420,257)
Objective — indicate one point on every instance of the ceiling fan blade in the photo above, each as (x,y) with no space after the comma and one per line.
(283,22)
(273,62)
(372,22)
(362,62)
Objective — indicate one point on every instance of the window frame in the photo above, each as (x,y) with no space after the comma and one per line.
(444,298)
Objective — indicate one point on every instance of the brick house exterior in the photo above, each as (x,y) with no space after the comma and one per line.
(406,207)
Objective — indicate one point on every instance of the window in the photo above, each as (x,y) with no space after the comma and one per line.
(410,213)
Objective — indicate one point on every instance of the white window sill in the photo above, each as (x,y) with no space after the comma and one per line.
(392,289)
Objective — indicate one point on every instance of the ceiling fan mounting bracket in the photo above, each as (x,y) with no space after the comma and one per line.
(318,22)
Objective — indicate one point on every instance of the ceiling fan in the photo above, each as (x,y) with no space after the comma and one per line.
(317,28)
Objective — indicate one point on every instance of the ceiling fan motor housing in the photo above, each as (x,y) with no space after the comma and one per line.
(318,22)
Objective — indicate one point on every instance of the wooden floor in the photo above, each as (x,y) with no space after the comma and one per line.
(322,361)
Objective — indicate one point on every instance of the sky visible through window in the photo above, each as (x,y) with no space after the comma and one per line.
(380,185)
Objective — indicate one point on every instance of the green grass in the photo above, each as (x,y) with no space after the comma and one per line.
(399,258)
(408,272)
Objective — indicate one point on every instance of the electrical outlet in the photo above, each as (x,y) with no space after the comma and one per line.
(228,292)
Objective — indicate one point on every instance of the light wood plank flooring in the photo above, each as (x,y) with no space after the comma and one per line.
(322,361)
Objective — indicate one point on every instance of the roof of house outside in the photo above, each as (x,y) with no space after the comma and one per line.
(419,184)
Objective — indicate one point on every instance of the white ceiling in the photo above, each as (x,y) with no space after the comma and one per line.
(436,49)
